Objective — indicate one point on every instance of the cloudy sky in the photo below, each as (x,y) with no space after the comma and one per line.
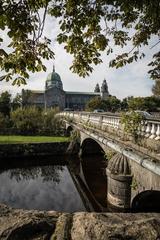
(130,80)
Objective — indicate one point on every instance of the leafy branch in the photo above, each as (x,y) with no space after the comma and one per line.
(81,31)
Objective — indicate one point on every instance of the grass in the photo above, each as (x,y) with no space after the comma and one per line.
(31,139)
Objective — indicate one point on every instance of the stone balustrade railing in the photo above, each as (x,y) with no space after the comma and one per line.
(150,128)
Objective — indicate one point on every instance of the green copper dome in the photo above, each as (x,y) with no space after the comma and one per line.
(53,77)
(54,80)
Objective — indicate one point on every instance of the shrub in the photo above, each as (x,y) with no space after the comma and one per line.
(27,120)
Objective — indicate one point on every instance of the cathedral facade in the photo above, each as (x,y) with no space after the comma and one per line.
(55,96)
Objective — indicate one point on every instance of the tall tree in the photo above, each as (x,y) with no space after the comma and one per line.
(115,103)
(5,103)
(16,102)
(87,28)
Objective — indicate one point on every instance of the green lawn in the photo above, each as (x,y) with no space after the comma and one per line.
(31,139)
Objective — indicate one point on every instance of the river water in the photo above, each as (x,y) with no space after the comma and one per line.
(75,185)
(51,187)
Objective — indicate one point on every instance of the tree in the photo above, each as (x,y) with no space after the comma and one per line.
(26,48)
(114,103)
(17,102)
(110,104)
(156,88)
(87,28)
(124,104)
(149,104)
(5,103)
(95,103)
(136,103)
(2,121)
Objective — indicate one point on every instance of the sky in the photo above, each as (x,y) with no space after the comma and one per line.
(131,80)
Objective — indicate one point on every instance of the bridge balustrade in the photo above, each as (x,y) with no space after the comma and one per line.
(150,128)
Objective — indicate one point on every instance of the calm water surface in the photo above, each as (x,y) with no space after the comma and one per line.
(43,188)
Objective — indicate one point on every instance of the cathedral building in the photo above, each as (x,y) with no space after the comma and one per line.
(55,96)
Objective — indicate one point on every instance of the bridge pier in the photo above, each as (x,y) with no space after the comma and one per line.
(119,181)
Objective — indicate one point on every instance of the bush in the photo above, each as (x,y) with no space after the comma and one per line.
(132,122)
(27,120)
(51,124)
(34,121)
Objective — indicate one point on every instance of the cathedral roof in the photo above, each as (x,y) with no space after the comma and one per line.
(82,93)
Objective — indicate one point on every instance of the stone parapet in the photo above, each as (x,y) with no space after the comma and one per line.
(149,131)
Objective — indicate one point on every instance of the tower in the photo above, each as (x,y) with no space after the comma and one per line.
(54,93)
(97,88)
(104,90)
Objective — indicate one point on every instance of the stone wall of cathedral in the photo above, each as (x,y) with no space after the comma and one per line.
(55,97)
(79,100)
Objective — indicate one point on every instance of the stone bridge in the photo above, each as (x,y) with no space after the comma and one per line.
(133,168)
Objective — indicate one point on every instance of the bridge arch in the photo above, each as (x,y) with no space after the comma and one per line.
(69,130)
(90,146)
(93,165)
(146,201)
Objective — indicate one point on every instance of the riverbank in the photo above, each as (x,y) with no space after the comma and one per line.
(26,224)
(27,148)
(30,139)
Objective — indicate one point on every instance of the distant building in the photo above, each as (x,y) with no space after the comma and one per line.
(55,96)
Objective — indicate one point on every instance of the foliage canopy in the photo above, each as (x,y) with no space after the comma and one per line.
(110,104)
(87,27)
(149,104)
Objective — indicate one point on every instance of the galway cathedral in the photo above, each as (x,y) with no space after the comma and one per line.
(55,96)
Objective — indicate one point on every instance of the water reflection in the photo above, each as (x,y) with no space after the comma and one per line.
(43,188)
(47,173)
(95,177)
(30,184)
(90,179)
